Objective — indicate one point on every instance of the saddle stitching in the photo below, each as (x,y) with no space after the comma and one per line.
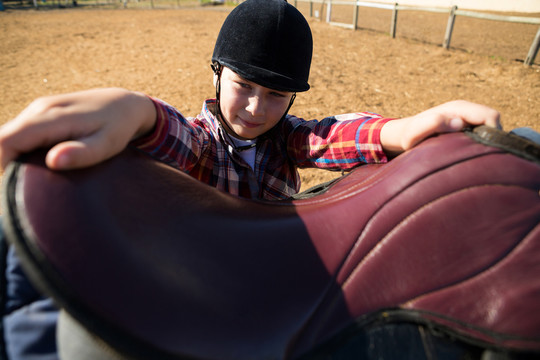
(412,215)
(376,212)
(487,269)
(362,187)
(336,299)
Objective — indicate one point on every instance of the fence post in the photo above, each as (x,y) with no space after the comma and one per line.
(355,16)
(394,21)
(310,8)
(534,49)
(450,27)
(329,11)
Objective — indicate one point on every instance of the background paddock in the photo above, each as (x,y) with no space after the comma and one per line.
(166,53)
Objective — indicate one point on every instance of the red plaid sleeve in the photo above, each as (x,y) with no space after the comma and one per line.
(174,140)
(337,142)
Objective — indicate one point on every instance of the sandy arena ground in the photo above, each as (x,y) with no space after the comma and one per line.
(166,54)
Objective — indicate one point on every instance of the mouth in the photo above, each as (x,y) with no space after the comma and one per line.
(248,124)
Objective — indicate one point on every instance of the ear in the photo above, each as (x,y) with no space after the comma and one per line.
(215,79)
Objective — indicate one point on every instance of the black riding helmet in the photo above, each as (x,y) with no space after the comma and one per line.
(268,42)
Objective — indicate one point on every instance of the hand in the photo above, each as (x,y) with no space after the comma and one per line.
(403,134)
(83,128)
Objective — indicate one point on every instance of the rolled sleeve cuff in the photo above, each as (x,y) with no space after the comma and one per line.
(368,140)
(152,141)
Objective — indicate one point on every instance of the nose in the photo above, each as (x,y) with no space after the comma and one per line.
(256,105)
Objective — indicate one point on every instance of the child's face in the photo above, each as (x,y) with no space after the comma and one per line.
(249,109)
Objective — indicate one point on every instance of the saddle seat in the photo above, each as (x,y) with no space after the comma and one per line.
(445,238)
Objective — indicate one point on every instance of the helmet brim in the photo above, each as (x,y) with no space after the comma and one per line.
(264,77)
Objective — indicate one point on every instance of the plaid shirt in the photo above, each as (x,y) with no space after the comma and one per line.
(199,147)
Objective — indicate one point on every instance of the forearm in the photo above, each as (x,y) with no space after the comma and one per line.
(401,135)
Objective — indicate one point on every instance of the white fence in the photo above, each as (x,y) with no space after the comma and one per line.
(452,13)
(521,6)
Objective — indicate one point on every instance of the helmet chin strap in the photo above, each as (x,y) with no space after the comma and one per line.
(218,68)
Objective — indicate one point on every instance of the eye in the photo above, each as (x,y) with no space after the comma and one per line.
(278,95)
(244,85)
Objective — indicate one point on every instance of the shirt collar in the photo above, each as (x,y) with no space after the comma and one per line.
(208,113)
(231,143)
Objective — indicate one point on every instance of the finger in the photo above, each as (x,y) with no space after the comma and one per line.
(493,119)
(453,125)
(483,115)
(18,138)
(470,114)
(85,152)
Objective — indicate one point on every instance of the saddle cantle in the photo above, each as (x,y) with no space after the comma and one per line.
(436,252)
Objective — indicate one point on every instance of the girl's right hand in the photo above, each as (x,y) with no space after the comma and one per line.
(401,135)
(83,128)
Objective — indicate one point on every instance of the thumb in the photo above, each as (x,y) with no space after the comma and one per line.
(454,124)
(81,153)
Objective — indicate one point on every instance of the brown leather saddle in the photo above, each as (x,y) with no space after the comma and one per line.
(433,255)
